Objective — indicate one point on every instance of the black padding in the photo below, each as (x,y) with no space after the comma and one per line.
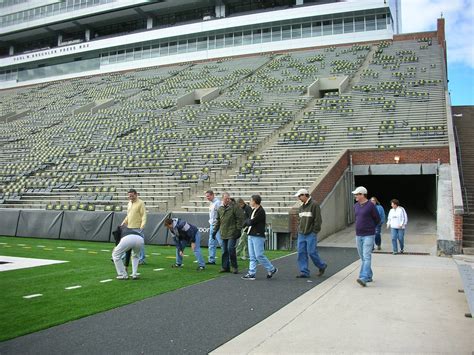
(39,224)
(9,222)
(83,225)
(155,231)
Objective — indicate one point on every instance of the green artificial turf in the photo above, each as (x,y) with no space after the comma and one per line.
(19,316)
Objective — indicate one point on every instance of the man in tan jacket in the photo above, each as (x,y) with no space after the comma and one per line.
(136,218)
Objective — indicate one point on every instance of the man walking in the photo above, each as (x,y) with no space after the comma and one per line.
(136,218)
(378,229)
(308,229)
(230,219)
(184,233)
(366,220)
(214,204)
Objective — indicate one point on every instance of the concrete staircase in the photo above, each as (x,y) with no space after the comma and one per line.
(464,123)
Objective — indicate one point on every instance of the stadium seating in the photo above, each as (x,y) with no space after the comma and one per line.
(84,142)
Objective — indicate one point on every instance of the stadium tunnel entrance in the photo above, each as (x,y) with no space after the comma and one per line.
(416,193)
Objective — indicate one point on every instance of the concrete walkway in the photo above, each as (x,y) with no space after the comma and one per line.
(420,237)
(413,306)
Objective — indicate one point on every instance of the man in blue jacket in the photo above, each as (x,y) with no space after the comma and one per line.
(378,229)
(184,233)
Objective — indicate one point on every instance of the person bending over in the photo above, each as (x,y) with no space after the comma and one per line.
(184,233)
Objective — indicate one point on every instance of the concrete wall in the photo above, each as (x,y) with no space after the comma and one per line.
(201,95)
(335,207)
(102,104)
(339,83)
(206,95)
(395,169)
(447,243)
(186,99)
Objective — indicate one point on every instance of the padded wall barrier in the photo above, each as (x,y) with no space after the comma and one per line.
(39,224)
(82,225)
(9,222)
(155,233)
(90,226)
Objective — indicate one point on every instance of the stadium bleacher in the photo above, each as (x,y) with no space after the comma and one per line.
(81,144)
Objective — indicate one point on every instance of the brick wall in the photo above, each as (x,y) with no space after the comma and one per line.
(407,156)
(329,181)
(415,36)
(458,230)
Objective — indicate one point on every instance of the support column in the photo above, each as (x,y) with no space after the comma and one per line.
(299,2)
(11,50)
(220,9)
(60,39)
(87,35)
(149,23)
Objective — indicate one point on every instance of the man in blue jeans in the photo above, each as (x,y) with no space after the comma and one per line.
(185,233)
(308,229)
(214,204)
(366,220)
(230,220)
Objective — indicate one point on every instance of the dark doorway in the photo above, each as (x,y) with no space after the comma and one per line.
(416,193)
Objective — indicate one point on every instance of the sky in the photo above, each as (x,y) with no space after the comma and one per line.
(422,15)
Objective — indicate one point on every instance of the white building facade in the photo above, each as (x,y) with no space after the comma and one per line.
(158,33)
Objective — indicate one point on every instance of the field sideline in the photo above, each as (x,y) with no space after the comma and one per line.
(88,264)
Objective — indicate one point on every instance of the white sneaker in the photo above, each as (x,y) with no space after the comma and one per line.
(135,277)
(122,277)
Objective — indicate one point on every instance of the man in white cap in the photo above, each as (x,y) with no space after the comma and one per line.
(308,229)
(366,220)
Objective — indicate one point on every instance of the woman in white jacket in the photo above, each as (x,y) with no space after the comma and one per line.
(397,221)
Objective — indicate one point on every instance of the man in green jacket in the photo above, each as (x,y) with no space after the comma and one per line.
(308,229)
(230,220)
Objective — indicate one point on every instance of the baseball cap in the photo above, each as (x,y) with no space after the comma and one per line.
(301,192)
(360,190)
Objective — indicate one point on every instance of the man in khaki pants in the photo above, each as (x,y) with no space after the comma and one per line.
(136,218)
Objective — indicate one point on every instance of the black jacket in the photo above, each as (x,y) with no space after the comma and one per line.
(118,234)
(257,223)
(247,211)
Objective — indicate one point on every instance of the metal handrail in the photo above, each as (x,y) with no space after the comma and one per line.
(461,169)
